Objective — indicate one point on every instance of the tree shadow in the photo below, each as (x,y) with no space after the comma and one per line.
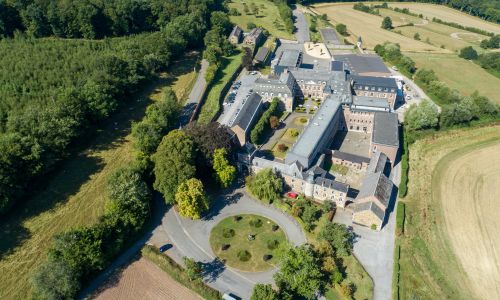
(212,270)
(221,201)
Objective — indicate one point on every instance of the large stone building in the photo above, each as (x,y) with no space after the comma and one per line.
(236,35)
(254,37)
(282,87)
(375,87)
(246,117)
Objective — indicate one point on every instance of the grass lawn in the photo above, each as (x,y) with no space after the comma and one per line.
(279,153)
(339,169)
(235,233)
(448,14)
(212,102)
(300,121)
(368,27)
(267,18)
(181,77)
(460,74)
(429,265)
(74,195)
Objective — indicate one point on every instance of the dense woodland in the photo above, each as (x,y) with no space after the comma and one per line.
(52,91)
(485,9)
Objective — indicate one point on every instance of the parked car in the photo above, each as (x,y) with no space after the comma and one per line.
(165,247)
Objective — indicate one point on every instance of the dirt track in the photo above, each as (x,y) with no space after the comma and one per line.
(145,281)
(469,189)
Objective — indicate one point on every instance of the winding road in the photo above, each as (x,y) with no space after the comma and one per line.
(191,238)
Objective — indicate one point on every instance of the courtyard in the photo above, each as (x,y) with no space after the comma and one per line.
(352,142)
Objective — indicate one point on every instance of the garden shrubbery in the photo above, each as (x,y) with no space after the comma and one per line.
(263,125)
(244,255)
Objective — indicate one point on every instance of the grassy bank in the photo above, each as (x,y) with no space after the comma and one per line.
(74,195)
(178,274)
(212,103)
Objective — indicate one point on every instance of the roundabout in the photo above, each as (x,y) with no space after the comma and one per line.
(247,242)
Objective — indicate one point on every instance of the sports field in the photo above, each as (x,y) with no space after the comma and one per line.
(448,14)
(460,74)
(450,248)
(268,17)
(368,27)
(75,194)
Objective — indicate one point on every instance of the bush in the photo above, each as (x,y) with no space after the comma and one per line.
(468,53)
(263,125)
(341,29)
(303,120)
(257,223)
(272,244)
(282,147)
(265,185)
(267,257)
(294,132)
(228,232)
(244,255)
(224,247)
(400,218)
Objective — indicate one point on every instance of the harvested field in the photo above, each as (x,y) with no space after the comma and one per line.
(144,280)
(368,27)
(450,248)
(450,69)
(449,15)
(467,183)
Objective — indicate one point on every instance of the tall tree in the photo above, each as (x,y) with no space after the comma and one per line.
(224,172)
(264,292)
(387,23)
(173,163)
(265,185)
(422,116)
(191,199)
(55,280)
(339,237)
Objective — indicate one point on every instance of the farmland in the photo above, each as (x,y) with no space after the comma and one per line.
(450,248)
(75,195)
(449,15)
(460,74)
(268,17)
(368,27)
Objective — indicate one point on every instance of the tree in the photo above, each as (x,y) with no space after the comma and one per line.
(193,268)
(265,185)
(251,25)
(173,163)
(247,59)
(191,199)
(224,172)
(341,29)
(416,36)
(387,23)
(55,280)
(310,216)
(468,53)
(299,272)
(338,236)
(264,292)
(274,122)
(221,19)
(422,116)
(347,288)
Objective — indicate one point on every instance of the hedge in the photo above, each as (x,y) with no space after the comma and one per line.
(403,185)
(178,273)
(258,132)
(400,218)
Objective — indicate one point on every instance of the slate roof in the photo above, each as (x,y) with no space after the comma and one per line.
(290,58)
(248,112)
(281,84)
(378,185)
(237,31)
(328,183)
(359,64)
(385,129)
(383,82)
(377,162)
(336,65)
(350,157)
(261,54)
(370,206)
(364,102)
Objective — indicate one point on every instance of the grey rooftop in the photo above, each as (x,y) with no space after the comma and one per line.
(385,129)
(359,64)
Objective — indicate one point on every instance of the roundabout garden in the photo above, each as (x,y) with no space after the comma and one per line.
(247,242)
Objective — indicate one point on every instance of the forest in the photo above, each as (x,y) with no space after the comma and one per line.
(54,92)
(485,9)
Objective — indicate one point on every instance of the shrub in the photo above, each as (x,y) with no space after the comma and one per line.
(263,125)
(400,218)
(468,53)
(224,247)
(228,232)
(303,120)
(282,147)
(237,218)
(416,36)
(272,244)
(256,223)
(244,255)
(275,227)
(294,132)
(373,227)
(341,29)
(267,257)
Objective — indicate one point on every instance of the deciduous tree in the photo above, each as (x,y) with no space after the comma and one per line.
(339,237)
(265,185)
(191,199)
(224,171)
(264,292)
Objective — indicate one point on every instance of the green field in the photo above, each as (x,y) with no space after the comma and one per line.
(241,227)
(429,267)
(75,194)
(460,74)
(212,103)
(267,18)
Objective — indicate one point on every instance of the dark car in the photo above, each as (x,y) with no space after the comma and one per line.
(165,247)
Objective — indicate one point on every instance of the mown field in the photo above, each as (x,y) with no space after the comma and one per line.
(460,74)
(268,17)
(450,249)
(75,195)
(448,14)
(368,27)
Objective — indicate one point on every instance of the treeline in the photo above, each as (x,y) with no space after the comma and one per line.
(53,91)
(489,61)
(286,14)
(485,9)
(392,53)
(264,124)
(93,19)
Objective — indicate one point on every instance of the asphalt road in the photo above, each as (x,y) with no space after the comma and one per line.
(302,33)
(196,94)
(191,238)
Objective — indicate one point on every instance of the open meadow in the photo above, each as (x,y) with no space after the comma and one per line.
(74,194)
(447,14)
(450,246)
(368,27)
(268,17)
(460,74)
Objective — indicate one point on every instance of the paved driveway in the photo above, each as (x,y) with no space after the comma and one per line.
(196,94)
(302,33)
(191,238)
